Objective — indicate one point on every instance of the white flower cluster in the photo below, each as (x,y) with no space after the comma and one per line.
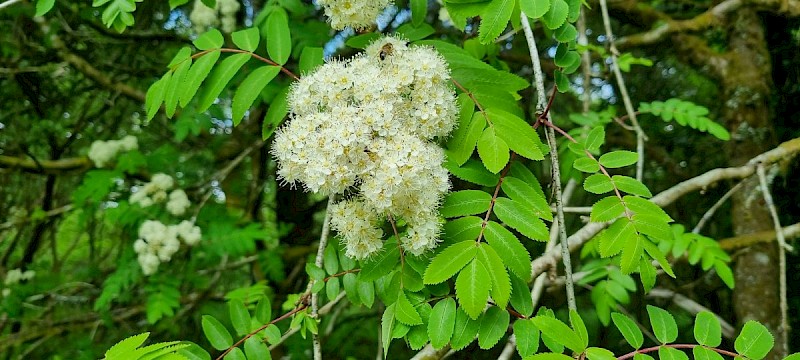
(156,191)
(370,122)
(158,242)
(103,152)
(223,14)
(14,276)
(358,14)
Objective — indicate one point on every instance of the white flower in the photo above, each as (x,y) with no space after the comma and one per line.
(162,181)
(149,263)
(102,152)
(202,16)
(358,14)
(368,123)
(13,276)
(189,232)
(178,202)
(129,143)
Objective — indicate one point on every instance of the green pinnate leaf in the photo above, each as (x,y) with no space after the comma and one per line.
(332,288)
(176,83)
(631,186)
(629,330)
(211,39)
(249,90)
(652,226)
(613,239)
(501,282)
(255,349)
(450,261)
(754,342)
(387,325)
(493,150)
(419,9)
(559,332)
(647,274)
(380,264)
(598,184)
(509,248)
(707,330)
(493,326)
(442,322)
(632,252)
(279,40)
(664,327)
(472,171)
(466,136)
(465,202)
(643,206)
(216,333)
(724,272)
(579,327)
(220,78)
(155,95)
(263,310)
(246,39)
(310,58)
(519,217)
(494,19)
(658,255)
(462,229)
(607,209)
(197,74)
(277,111)
(126,346)
(618,159)
(534,9)
(405,312)
(472,288)
(43,6)
(521,296)
(240,317)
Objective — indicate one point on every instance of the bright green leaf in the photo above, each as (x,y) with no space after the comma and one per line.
(501,283)
(618,159)
(211,39)
(249,90)
(465,202)
(43,6)
(607,209)
(493,150)
(472,288)
(450,261)
(405,312)
(664,327)
(493,326)
(557,15)
(534,9)
(598,184)
(527,335)
(518,216)
(559,332)
(279,41)
(629,330)
(216,333)
(246,39)
(707,329)
(702,353)
(754,341)
(219,79)
(240,316)
(509,248)
(442,322)
(494,19)
(197,74)
(464,331)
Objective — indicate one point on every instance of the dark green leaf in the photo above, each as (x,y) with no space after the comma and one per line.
(216,333)
(380,264)
(472,171)
(521,296)
(510,249)
(534,9)
(494,19)
(557,15)
(464,331)
(275,114)
(255,349)
(387,324)
(419,9)
(463,142)
(263,310)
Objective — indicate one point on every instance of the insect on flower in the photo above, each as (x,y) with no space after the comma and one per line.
(386,50)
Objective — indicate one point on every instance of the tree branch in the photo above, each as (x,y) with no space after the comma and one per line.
(44,166)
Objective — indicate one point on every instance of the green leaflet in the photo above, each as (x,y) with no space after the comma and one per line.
(464,331)
(211,39)
(405,312)
(643,206)
(629,330)
(263,312)
(534,9)
(597,183)
(197,74)
(556,15)
(254,348)
(685,113)
(275,114)
(501,283)
(547,356)
(177,82)
(594,353)
(607,209)
(43,6)
(493,326)
(517,133)
(472,171)
(461,229)
(632,251)
(332,288)
(668,353)
(580,328)
(381,263)
(250,89)
(618,159)
(587,165)
(465,202)
(631,186)
(240,317)
(450,261)
(519,217)
(566,33)
(664,327)
(527,335)
(442,322)
(464,139)
(562,81)
(155,95)
(414,33)
(707,330)
(493,150)
(652,226)
(387,324)
(279,41)
(310,58)
(559,332)
(246,39)
(702,353)
(220,78)
(216,333)
(528,193)
(754,342)
(419,9)
(472,288)
(509,248)
(595,139)
(494,19)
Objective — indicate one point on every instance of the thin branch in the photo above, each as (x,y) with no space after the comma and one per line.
(323,242)
(762,178)
(710,213)
(789,232)
(551,139)
(322,311)
(40,166)
(8,3)
(693,307)
(623,90)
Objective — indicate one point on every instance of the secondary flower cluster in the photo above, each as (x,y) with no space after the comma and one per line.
(156,191)
(369,122)
(13,277)
(103,152)
(224,14)
(158,242)
(357,14)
